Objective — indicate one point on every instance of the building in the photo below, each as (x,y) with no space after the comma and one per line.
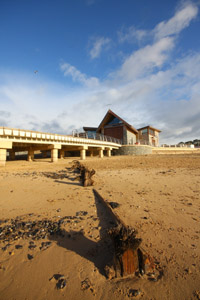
(148,135)
(114,126)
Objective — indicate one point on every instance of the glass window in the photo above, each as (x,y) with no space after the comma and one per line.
(91,134)
(144,131)
(114,121)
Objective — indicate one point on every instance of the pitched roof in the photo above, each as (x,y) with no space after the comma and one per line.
(89,128)
(149,127)
(109,115)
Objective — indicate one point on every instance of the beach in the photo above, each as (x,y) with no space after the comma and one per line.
(64,258)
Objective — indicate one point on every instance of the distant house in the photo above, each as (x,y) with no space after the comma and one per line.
(114,126)
(149,135)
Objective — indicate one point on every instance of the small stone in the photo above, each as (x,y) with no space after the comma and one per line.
(153,279)
(197,294)
(31,247)
(61,284)
(114,204)
(188,271)
(81,213)
(12,253)
(18,247)
(5,247)
(85,284)
(29,256)
(110,272)
(134,293)
(45,245)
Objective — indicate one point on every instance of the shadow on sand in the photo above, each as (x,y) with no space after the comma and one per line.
(101,252)
(68,173)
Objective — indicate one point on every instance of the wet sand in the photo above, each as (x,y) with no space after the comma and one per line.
(158,195)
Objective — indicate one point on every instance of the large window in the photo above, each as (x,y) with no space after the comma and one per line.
(114,121)
(91,133)
(144,131)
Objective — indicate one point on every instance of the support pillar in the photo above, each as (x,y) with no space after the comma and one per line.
(83,154)
(101,152)
(4,145)
(91,153)
(54,151)
(54,155)
(3,157)
(30,155)
(108,152)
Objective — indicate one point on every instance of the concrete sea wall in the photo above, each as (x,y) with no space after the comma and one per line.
(134,150)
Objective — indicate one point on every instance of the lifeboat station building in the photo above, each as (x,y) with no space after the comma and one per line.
(114,126)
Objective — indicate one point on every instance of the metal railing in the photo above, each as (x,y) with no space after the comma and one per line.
(28,135)
(96,136)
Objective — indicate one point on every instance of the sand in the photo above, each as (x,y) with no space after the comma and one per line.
(158,195)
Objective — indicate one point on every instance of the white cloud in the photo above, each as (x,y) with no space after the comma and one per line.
(146,59)
(77,76)
(182,18)
(100,44)
(132,34)
(178,22)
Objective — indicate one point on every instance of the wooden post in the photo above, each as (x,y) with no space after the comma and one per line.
(128,258)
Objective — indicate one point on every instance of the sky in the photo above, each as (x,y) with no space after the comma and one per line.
(64,63)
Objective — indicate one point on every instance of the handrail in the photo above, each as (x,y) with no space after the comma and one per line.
(27,134)
(96,136)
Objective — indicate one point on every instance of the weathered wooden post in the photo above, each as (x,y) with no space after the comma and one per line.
(85,174)
(129,258)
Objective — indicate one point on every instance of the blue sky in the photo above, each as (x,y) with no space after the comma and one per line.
(139,58)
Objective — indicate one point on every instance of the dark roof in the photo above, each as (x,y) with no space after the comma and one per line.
(90,128)
(109,116)
(150,128)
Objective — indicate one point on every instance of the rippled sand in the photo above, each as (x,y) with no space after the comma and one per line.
(159,196)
